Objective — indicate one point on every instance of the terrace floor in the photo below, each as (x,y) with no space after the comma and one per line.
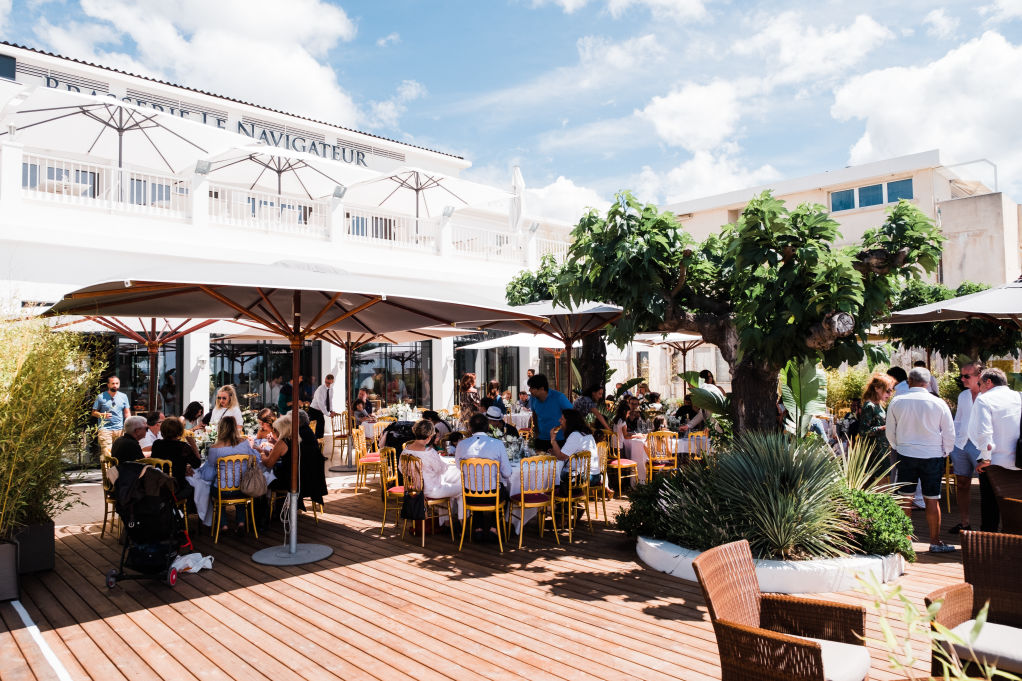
(383,608)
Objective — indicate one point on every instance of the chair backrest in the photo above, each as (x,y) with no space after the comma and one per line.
(106,462)
(615,444)
(525,432)
(386,419)
(339,424)
(987,558)
(603,450)
(727,576)
(377,404)
(662,448)
(163,464)
(698,442)
(538,474)
(359,444)
(578,467)
(411,469)
(388,467)
(480,481)
(229,470)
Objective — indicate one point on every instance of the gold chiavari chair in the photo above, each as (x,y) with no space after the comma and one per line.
(388,478)
(662,449)
(539,478)
(107,462)
(365,463)
(411,469)
(624,468)
(598,493)
(698,444)
(576,491)
(480,492)
(229,470)
(339,426)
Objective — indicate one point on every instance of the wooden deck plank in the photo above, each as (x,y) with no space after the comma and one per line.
(15,659)
(385,608)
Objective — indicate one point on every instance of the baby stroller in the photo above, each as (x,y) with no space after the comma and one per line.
(153,525)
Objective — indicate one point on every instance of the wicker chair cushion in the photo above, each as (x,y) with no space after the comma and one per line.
(997,644)
(842,661)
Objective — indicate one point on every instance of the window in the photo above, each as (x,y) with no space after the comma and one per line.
(30,175)
(872,195)
(8,67)
(899,189)
(842,200)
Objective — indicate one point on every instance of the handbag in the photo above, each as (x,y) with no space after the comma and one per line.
(413,506)
(253,482)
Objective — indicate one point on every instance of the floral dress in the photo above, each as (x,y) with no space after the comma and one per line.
(871,422)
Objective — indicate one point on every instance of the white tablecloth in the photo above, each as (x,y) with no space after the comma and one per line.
(522,419)
(201,493)
(372,430)
(514,486)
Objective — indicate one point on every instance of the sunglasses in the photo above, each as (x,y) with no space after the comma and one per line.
(965,376)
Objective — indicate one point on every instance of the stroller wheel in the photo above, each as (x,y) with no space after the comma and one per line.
(171,578)
(111,579)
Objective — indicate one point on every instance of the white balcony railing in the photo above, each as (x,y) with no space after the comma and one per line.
(484,243)
(268,212)
(558,249)
(75,182)
(391,229)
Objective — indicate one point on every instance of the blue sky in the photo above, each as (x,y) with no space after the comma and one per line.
(673,99)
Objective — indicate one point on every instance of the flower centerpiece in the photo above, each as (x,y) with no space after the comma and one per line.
(249,422)
(204,439)
(401,412)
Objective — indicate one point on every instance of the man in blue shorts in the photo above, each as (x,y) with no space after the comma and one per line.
(922,432)
(546,406)
(111,408)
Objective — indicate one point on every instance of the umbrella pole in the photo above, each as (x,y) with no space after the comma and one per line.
(347,398)
(684,375)
(153,348)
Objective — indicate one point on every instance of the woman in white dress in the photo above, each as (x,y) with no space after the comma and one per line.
(226,405)
(439,480)
(579,438)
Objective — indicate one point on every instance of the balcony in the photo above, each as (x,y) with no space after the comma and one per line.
(34,178)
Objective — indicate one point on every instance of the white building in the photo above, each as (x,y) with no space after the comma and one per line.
(62,222)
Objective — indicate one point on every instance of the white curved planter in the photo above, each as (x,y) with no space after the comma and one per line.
(822,575)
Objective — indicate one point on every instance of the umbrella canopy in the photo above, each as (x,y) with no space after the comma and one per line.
(421,193)
(995,304)
(110,129)
(520,340)
(681,342)
(298,300)
(282,171)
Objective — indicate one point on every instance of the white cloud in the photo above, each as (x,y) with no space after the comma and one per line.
(705,174)
(966,104)
(563,200)
(5,11)
(939,24)
(604,136)
(676,10)
(389,39)
(1002,10)
(695,117)
(601,64)
(387,113)
(796,52)
(226,47)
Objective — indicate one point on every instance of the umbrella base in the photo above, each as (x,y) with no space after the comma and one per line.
(281,555)
(343,468)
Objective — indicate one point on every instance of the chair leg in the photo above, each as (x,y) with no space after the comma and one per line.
(106,510)
(384,514)
(464,524)
(450,519)
(251,513)
(553,522)
(423,533)
(404,526)
(216,523)
(619,482)
(500,522)
(521,525)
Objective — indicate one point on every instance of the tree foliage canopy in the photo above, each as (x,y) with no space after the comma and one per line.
(975,338)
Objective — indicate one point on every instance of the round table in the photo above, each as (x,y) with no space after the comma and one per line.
(522,419)
(514,486)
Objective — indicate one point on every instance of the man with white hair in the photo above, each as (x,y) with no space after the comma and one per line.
(994,427)
(127,447)
(921,430)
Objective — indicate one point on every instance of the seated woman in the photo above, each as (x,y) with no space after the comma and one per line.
(265,438)
(192,417)
(359,413)
(183,455)
(625,424)
(579,438)
(228,443)
(311,479)
(441,429)
(439,481)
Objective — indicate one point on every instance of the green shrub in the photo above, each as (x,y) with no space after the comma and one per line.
(842,386)
(880,525)
(643,515)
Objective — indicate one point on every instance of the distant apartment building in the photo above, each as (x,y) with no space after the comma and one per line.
(981,224)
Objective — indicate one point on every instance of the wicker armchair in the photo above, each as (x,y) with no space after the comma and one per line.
(1007,486)
(990,559)
(763,637)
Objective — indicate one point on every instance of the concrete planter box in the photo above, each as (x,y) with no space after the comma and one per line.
(823,575)
(8,570)
(36,547)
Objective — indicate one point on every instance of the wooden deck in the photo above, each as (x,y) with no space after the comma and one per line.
(382,608)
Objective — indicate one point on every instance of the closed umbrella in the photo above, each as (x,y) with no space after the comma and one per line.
(296,300)
(517,210)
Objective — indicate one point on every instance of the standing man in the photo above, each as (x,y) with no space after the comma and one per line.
(546,406)
(111,408)
(922,432)
(322,404)
(965,454)
(589,403)
(994,427)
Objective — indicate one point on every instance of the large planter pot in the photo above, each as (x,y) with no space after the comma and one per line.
(8,570)
(36,547)
(822,575)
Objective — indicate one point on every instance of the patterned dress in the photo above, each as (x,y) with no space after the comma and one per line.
(871,423)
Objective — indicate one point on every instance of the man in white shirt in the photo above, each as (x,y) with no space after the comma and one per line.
(152,432)
(901,378)
(965,453)
(480,445)
(322,404)
(922,432)
(994,427)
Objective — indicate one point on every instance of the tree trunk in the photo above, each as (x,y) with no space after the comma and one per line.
(754,397)
(593,362)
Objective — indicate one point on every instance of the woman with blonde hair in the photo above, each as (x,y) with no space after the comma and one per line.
(226,405)
(228,443)
(873,420)
(439,481)
(468,399)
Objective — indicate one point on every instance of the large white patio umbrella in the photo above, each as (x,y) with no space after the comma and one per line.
(421,193)
(521,340)
(568,325)
(283,171)
(107,128)
(681,342)
(297,300)
(999,304)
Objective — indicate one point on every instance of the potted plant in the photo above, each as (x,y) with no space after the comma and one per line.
(46,380)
